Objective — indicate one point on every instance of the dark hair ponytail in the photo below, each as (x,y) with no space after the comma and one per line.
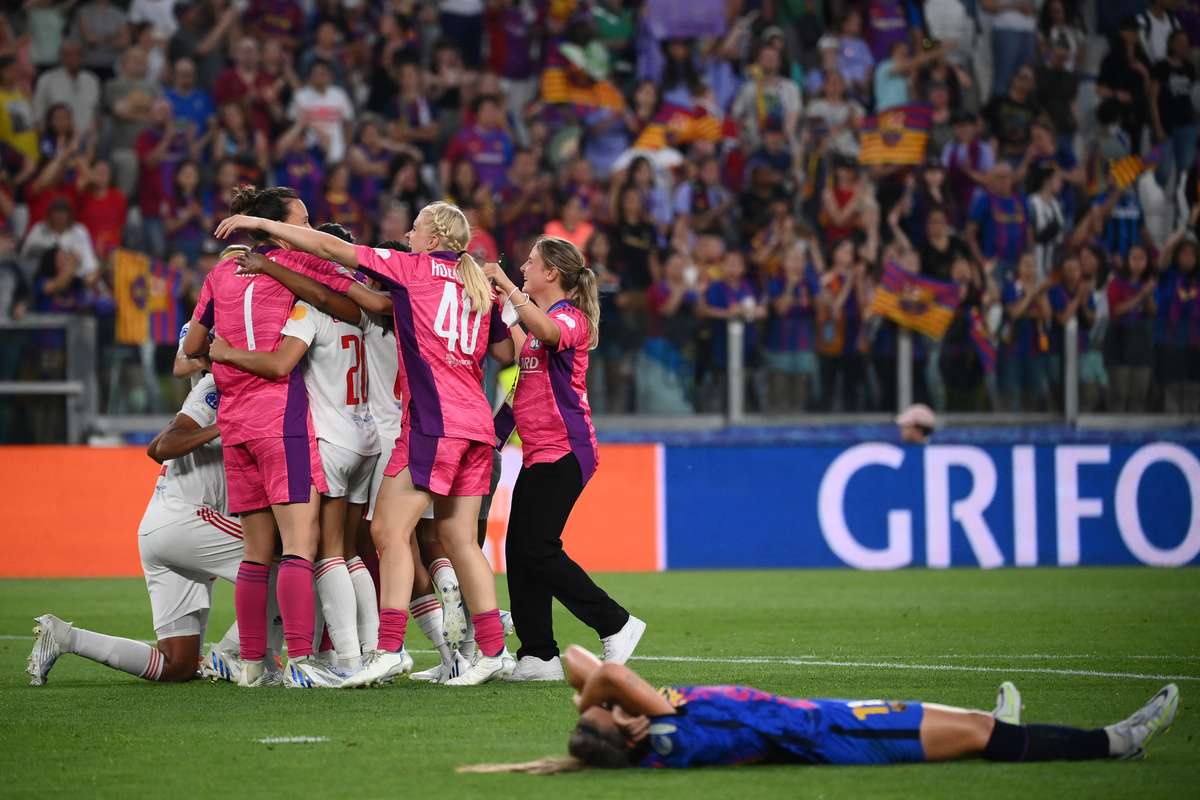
(266,203)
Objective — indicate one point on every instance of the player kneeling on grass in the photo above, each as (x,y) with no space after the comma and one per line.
(625,722)
(186,542)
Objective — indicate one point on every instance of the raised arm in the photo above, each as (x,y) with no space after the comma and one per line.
(179,438)
(269,364)
(322,245)
(311,291)
(616,684)
(533,318)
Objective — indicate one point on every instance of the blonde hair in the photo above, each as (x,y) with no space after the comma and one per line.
(578,280)
(233,250)
(549,765)
(450,225)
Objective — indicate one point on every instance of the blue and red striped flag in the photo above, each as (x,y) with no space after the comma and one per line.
(163,303)
(983,342)
(912,301)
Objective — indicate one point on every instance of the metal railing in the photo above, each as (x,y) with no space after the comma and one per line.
(78,386)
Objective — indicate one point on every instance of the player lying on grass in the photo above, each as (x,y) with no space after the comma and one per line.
(625,722)
(186,541)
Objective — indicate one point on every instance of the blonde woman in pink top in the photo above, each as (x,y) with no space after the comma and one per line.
(560,311)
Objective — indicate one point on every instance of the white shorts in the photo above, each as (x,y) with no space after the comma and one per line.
(348,473)
(389,444)
(185,548)
(485,506)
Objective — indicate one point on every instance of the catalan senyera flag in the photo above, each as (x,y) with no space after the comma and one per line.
(896,136)
(675,125)
(912,301)
(569,85)
(131,290)
(1125,171)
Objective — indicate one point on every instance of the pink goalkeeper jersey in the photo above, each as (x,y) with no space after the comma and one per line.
(440,342)
(249,311)
(550,404)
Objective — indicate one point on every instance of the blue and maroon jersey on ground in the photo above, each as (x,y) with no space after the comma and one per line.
(440,341)
(249,311)
(550,404)
(729,725)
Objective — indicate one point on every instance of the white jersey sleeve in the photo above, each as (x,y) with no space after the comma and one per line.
(336,376)
(199,477)
(382,367)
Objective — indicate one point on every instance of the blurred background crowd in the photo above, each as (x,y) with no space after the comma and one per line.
(704,154)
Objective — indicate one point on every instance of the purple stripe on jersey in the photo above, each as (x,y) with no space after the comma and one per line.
(295,413)
(561,365)
(296,439)
(206,316)
(424,407)
(422,452)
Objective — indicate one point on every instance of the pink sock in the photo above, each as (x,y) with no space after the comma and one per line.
(297,604)
(392,624)
(489,633)
(250,603)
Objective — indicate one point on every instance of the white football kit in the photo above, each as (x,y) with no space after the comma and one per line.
(186,539)
(336,375)
(386,407)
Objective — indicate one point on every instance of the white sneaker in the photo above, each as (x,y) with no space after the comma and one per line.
(254,675)
(485,669)
(380,667)
(50,636)
(532,668)
(444,671)
(309,672)
(1129,737)
(454,614)
(506,621)
(619,647)
(1008,704)
(222,665)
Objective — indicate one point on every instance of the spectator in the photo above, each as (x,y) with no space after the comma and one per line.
(731,298)
(666,368)
(233,137)
(1014,38)
(1023,367)
(998,222)
(1046,217)
(327,108)
(159,14)
(1177,327)
(482,220)
(299,164)
(1010,116)
(189,218)
(838,319)
(633,242)
(18,126)
(464,184)
(59,288)
(370,159)
(1125,78)
(608,378)
(462,22)
(968,159)
(101,27)
(855,61)
(767,99)
(1155,27)
(71,85)
(574,225)
(191,105)
(960,363)
(245,83)
(917,423)
(129,97)
(412,115)
(1091,361)
(791,362)
(941,248)
(60,231)
(894,74)
(1057,87)
(1072,297)
(160,149)
(327,47)
(45,26)
(276,19)
(102,208)
(201,34)
(1172,87)
(828,48)
(1129,347)
(60,134)
(340,206)
(843,202)
(929,192)
(1123,222)
(888,24)
(833,118)
(656,200)
(1058,31)
(15,295)
(485,144)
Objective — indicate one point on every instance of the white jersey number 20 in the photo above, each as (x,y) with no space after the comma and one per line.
(452,326)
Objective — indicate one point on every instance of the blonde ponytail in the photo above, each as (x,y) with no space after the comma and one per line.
(578,281)
(450,225)
(550,765)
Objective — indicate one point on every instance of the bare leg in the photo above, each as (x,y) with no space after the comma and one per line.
(397,510)
(457,528)
(948,733)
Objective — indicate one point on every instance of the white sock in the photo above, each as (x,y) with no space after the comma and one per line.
(136,658)
(442,572)
(340,607)
(230,642)
(468,645)
(368,604)
(427,611)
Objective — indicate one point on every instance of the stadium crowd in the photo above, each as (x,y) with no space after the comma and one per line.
(703,154)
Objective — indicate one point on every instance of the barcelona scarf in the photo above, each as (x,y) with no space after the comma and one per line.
(982,342)
(1125,171)
(896,136)
(915,302)
(570,85)
(675,125)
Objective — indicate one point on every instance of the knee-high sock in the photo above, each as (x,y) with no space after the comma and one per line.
(427,611)
(442,573)
(489,633)
(297,602)
(340,607)
(250,602)
(469,647)
(136,658)
(274,617)
(393,622)
(367,601)
(1045,743)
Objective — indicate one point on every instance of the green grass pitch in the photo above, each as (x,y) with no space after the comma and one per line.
(1086,647)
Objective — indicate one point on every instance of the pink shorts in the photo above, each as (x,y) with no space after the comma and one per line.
(274,471)
(443,465)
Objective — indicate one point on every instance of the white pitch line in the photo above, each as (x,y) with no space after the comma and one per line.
(293,740)
(931,667)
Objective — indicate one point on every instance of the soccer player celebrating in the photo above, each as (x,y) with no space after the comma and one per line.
(186,540)
(272,465)
(335,375)
(561,312)
(445,319)
(625,722)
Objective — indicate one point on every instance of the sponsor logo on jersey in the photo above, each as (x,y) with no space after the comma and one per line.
(566,318)
(383,253)
(535,343)
(530,363)
(299,312)
(213,399)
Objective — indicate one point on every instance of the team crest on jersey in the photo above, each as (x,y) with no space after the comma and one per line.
(213,399)
(535,343)
(660,738)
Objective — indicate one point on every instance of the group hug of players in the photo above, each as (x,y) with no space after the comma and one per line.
(333,459)
(329,391)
